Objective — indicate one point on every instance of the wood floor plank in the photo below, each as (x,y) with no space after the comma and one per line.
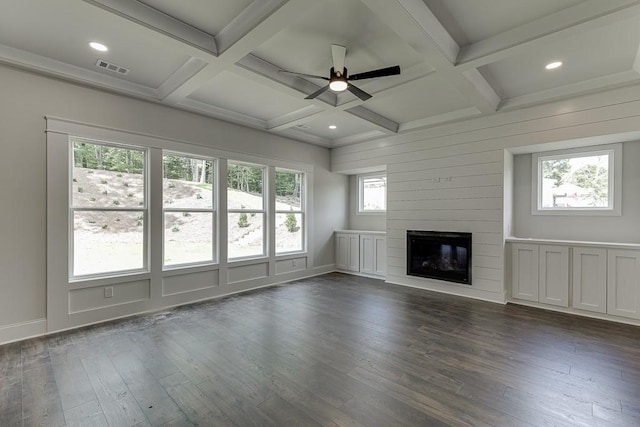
(41,403)
(333,350)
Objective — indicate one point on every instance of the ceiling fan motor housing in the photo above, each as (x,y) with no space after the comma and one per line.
(338,82)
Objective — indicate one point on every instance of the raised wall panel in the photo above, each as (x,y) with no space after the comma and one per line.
(554,275)
(367,254)
(290,265)
(342,251)
(189,282)
(380,250)
(623,283)
(524,284)
(590,279)
(248,272)
(92,298)
(354,253)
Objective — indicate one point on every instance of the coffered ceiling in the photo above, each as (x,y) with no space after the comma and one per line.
(221,58)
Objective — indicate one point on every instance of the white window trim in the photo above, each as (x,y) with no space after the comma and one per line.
(361,211)
(615,181)
(213,210)
(302,212)
(264,211)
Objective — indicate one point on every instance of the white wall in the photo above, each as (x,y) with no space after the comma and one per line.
(369,222)
(623,229)
(27,98)
(451,177)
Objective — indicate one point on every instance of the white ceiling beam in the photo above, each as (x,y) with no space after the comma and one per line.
(189,69)
(384,124)
(245,22)
(162,23)
(578,19)
(414,22)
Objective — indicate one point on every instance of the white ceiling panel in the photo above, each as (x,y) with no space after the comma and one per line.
(346,125)
(425,97)
(585,56)
(305,45)
(469,21)
(61,30)
(241,95)
(205,15)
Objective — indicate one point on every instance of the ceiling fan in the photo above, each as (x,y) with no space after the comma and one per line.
(340,81)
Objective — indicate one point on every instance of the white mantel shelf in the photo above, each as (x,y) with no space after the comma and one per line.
(373,233)
(607,245)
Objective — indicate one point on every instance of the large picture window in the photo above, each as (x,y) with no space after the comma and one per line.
(577,181)
(372,193)
(290,212)
(108,208)
(188,198)
(246,210)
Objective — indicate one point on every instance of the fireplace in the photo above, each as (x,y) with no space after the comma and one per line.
(439,255)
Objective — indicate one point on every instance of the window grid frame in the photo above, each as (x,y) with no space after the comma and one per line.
(361,178)
(72,209)
(215,250)
(302,212)
(264,211)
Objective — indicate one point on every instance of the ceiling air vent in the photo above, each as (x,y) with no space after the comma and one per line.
(303,126)
(112,67)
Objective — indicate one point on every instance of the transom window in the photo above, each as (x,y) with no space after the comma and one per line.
(372,193)
(246,216)
(577,181)
(108,208)
(188,193)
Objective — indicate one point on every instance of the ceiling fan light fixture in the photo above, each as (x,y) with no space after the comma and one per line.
(338,85)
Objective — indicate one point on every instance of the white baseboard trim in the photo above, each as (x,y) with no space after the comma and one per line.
(36,328)
(575,312)
(496,300)
(323,269)
(22,330)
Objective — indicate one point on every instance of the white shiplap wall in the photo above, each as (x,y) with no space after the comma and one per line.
(452,177)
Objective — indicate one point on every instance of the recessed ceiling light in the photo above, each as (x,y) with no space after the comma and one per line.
(553,65)
(333,127)
(98,46)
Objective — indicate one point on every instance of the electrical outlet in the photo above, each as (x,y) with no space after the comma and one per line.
(108,292)
(293,263)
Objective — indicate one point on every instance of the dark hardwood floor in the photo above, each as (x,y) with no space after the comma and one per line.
(335,350)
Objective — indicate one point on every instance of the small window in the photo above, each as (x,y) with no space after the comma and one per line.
(578,181)
(246,211)
(372,191)
(188,194)
(290,212)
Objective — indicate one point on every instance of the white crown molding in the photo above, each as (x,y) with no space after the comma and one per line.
(44,65)
(577,19)
(580,88)
(461,114)
(222,113)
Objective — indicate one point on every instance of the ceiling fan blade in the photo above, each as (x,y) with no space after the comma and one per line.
(382,72)
(318,92)
(338,53)
(358,92)
(311,76)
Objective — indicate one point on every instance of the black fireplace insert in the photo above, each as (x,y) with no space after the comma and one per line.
(439,255)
